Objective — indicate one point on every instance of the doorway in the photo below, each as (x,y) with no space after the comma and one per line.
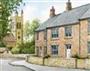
(68,50)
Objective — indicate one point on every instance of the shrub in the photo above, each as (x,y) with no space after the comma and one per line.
(9,48)
(2,44)
(27,48)
(15,50)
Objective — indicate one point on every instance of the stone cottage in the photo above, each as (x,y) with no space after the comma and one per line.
(66,34)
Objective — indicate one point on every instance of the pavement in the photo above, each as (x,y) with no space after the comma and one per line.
(42,68)
(5,66)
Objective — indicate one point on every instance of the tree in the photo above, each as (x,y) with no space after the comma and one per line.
(31,27)
(26,30)
(29,30)
(6,9)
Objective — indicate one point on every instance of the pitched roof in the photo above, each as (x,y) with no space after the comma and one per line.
(9,38)
(67,17)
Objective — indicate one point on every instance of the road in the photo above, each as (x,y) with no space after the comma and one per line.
(5,66)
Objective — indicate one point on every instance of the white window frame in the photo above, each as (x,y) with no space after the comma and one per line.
(54,32)
(68,31)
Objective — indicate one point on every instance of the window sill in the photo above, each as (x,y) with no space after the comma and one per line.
(54,38)
(68,37)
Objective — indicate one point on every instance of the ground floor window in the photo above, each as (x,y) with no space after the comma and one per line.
(89,47)
(54,49)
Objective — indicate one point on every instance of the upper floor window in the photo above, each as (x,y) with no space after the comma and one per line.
(68,31)
(37,36)
(54,49)
(54,32)
(88,26)
(88,47)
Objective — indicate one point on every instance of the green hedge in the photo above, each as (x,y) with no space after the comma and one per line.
(15,50)
(25,48)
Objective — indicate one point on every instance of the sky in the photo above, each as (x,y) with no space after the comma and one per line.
(40,8)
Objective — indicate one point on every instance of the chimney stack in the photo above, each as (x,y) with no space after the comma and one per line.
(68,6)
(52,12)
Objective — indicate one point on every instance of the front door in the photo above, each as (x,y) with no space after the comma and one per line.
(68,50)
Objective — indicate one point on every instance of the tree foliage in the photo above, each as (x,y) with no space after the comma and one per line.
(29,30)
(25,48)
(6,9)
(31,27)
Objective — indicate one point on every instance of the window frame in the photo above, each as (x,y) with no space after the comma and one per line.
(68,31)
(88,26)
(54,49)
(88,49)
(55,32)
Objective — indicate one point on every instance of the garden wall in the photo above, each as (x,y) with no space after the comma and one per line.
(57,62)
(61,62)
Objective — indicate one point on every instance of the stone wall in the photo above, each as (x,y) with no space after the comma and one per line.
(83,63)
(62,40)
(61,62)
(35,60)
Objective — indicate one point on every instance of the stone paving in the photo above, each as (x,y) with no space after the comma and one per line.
(43,68)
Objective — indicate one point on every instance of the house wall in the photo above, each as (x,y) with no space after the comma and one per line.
(40,44)
(62,40)
(78,40)
(84,38)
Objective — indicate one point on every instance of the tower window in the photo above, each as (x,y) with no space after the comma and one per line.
(19,25)
(18,37)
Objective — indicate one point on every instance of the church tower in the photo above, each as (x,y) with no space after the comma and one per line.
(19,28)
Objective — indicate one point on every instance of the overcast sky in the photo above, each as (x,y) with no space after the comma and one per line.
(40,8)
